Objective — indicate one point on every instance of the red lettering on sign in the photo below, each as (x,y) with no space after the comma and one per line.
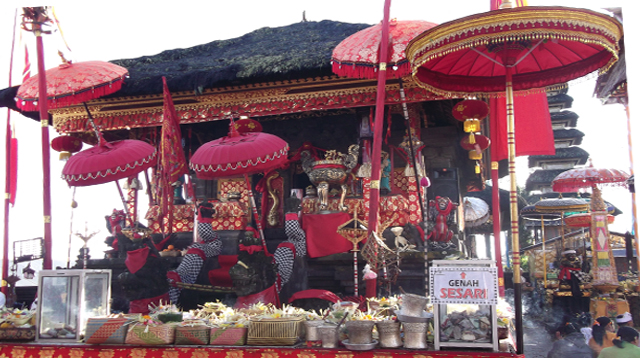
(468,293)
(480,293)
(443,293)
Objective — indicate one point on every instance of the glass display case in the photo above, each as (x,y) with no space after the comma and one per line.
(464,296)
(67,299)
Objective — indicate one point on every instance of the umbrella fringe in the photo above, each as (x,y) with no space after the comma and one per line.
(368,71)
(30,105)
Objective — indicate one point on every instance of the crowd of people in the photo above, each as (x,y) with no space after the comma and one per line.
(598,339)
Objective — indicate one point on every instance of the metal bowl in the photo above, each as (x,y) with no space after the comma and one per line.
(360,347)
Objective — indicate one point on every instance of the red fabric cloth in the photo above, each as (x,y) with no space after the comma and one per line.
(197,251)
(565,272)
(172,162)
(142,306)
(173,277)
(136,259)
(321,294)
(10,349)
(533,132)
(371,287)
(251,249)
(220,276)
(322,236)
(270,295)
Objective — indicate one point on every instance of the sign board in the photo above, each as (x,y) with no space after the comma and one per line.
(463,285)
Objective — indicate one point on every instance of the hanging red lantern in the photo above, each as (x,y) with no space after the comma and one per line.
(66,145)
(471,112)
(476,148)
(246,125)
(470,109)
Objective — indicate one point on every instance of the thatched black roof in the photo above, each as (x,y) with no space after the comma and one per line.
(542,176)
(609,82)
(266,54)
(568,133)
(570,117)
(561,98)
(573,152)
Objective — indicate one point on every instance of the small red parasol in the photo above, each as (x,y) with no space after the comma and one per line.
(357,56)
(72,83)
(241,154)
(109,161)
(580,178)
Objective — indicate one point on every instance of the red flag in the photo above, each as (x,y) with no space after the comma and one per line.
(13,168)
(172,164)
(533,132)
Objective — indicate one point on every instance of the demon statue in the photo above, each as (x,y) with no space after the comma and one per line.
(442,230)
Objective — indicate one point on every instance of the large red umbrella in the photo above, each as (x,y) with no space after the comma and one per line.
(358,56)
(72,83)
(513,49)
(241,154)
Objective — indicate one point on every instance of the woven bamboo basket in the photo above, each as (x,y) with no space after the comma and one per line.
(274,331)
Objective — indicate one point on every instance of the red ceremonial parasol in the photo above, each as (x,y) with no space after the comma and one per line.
(109,161)
(358,56)
(605,275)
(378,52)
(513,49)
(69,90)
(240,154)
(72,83)
(589,177)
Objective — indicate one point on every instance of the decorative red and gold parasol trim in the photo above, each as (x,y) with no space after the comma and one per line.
(580,178)
(247,153)
(109,161)
(72,83)
(439,54)
(357,56)
(584,220)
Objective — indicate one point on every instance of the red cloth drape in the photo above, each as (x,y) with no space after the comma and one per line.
(270,295)
(534,135)
(322,236)
(136,259)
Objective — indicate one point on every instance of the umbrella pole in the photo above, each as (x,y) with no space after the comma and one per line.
(544,256)
(255,213)
(146,177)
(634,210)
(73,198)
(378,124)
(46,165)
(124,203)
(355,272)
(513,198)
(413,156)
(495,211)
